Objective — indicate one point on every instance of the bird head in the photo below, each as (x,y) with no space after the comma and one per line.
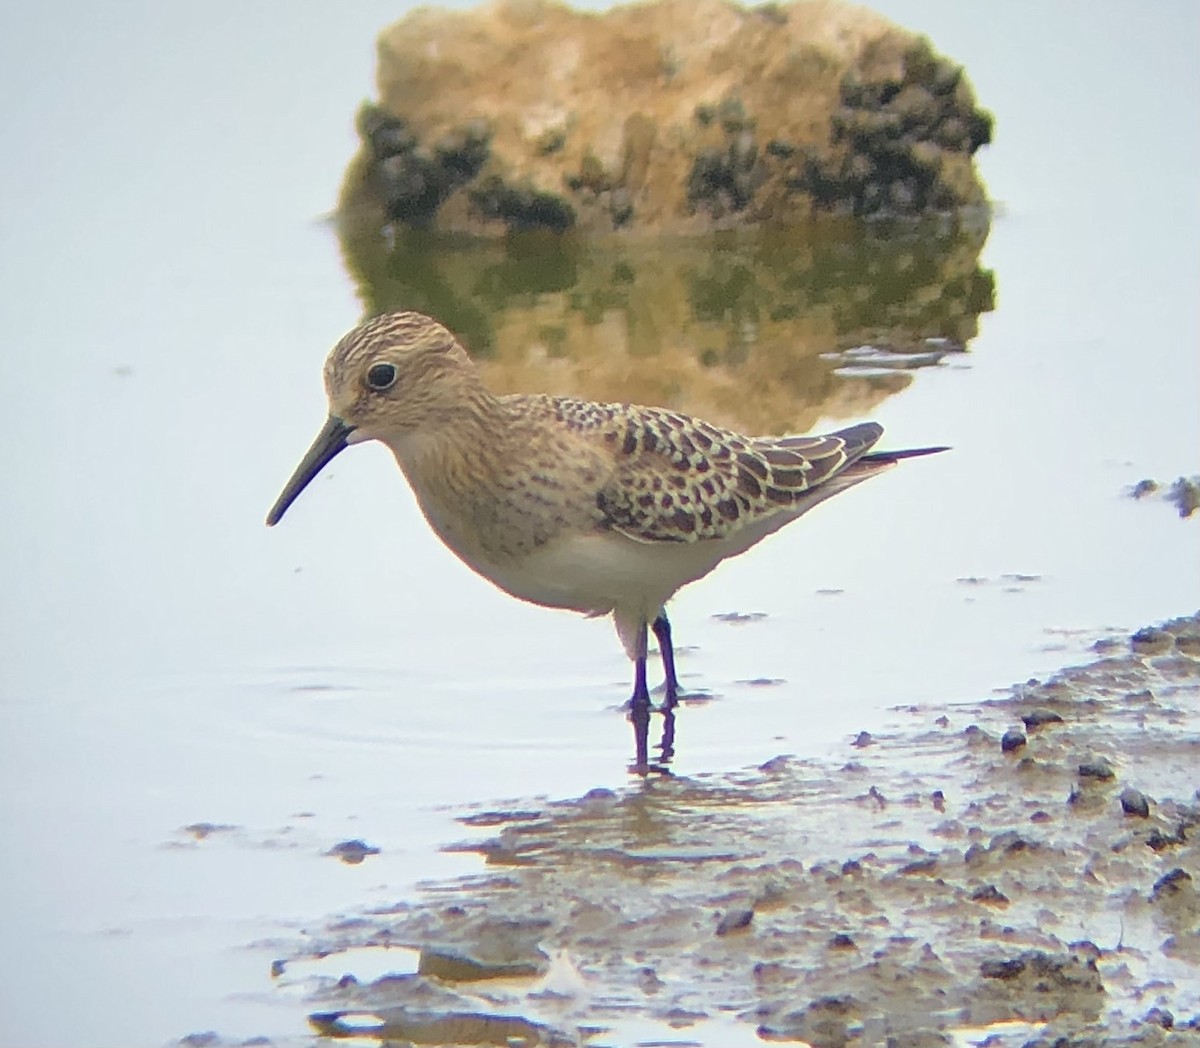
(392,376)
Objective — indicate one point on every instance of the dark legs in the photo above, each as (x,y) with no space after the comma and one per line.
(639,703)
(662,632)
(641,694)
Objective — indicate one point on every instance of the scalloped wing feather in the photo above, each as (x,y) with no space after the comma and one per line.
(678,479)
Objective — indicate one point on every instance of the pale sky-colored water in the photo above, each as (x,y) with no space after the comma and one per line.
(168,292)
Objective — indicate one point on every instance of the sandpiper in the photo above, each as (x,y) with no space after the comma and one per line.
(604,509)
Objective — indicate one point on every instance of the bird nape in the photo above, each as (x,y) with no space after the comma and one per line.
(604,509)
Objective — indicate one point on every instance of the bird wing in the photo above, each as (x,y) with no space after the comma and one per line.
(678,479)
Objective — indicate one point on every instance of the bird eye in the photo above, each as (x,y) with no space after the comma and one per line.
(381,376)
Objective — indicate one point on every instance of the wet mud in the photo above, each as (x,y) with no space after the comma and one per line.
(1022,870)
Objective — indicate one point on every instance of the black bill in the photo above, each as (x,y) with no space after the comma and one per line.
(329,443)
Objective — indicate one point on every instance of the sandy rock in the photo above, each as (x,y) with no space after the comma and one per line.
(671,115)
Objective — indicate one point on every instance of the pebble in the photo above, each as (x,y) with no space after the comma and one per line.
(1039,718)
(648,980)
(1134,802)
(1013,740)
(990,895)
(1160,1017)
(1158,841)
(1008,969)
(1189,644)
(352,852)
(1151,641)
(1170,883)
(734,920)
(1097,768)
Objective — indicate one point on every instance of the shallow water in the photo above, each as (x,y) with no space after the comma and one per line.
(170,290)
(926,881)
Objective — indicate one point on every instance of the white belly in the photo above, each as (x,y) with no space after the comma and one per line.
(604,571)
(599,572)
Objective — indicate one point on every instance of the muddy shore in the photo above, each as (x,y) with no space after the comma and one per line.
(1021,870)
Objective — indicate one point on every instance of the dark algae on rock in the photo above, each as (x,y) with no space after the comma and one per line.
(665,116)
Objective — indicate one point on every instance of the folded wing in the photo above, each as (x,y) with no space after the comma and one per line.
(678,479)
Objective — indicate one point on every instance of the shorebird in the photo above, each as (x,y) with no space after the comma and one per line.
(604,509)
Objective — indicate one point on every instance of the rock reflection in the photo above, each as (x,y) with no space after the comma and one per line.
(744,329)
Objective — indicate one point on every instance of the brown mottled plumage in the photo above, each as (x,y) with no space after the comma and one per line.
(597,508)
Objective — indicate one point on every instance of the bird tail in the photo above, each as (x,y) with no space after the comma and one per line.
(862,468)
(888,457)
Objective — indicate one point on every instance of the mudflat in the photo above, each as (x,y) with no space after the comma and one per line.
(1013,871)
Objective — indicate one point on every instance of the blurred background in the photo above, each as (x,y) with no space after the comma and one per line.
(195,708)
